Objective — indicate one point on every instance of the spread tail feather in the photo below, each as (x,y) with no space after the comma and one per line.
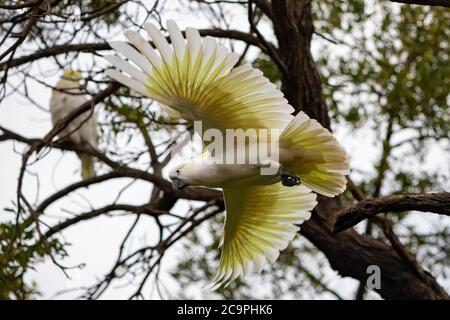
(315,156)
(87,166)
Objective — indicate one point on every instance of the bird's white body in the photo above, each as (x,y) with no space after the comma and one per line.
(254,170)
(82,130)
(65,99)
(215,175)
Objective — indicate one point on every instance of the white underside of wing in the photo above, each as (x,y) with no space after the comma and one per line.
(260,222)
(198,78)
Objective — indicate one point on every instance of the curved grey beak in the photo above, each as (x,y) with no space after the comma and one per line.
(179,183)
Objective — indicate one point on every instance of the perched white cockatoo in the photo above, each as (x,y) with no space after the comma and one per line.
(197,78)
(67,96)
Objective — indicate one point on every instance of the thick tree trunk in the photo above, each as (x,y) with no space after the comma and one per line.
(348,252)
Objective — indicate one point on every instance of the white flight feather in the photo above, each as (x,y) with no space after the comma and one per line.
(127,81)
(194,42)
(160,42)
(177,39)
(121,64)
(142,44)
(132,54)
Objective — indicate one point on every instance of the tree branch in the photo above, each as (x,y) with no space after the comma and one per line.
(443,3)
(144,209)
(102,46)
(264,6)
(429,202)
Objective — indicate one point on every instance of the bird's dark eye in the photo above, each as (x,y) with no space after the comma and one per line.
(178,171)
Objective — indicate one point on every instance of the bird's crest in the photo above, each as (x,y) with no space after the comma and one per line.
(70,74)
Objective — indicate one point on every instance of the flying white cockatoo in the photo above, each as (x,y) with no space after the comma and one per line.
(67,96)
(198,79)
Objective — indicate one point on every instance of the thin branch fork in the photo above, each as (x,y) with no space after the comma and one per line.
(176,235)
(430,202)
(61,125)
(267,46)
(406,256)
(265,6)
(386,227)
(143,209)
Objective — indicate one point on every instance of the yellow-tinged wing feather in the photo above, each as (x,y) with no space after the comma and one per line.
(314,155)
(197,78)
(260,222)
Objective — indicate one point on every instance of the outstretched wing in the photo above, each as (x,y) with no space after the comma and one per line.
(197,78)
(314,155)
(260,222)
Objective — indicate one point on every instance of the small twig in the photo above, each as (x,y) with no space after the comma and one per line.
(269,48)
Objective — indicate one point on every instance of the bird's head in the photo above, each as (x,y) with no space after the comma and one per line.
(184,175)
(71,75)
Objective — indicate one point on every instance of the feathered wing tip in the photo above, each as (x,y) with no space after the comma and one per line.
(317,157)
(198,78)
(260,222)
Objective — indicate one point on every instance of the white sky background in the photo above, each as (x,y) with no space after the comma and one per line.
(95,242)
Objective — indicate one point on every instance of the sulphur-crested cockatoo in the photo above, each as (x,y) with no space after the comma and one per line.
(67,96)
(197,78)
